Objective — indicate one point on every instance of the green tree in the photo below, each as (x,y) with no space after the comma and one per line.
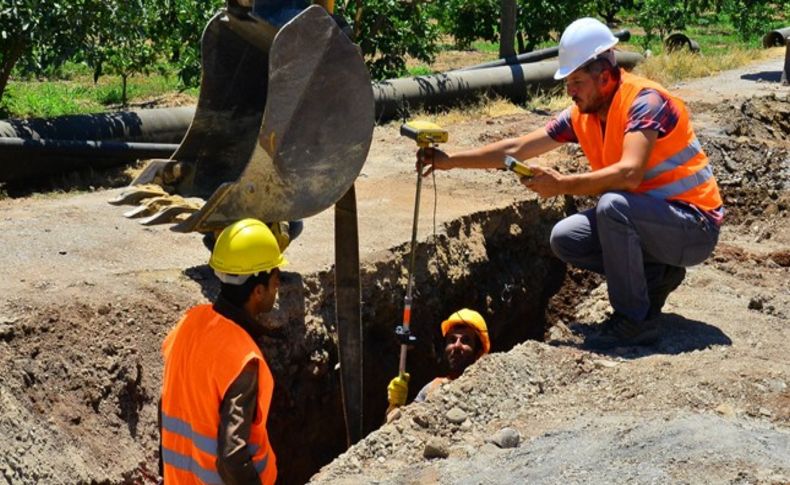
(177,32)
(40,35)
(543,20)
(751,18)
(121,40)
(660,17)
(388,31)
(608,9)
(470,20)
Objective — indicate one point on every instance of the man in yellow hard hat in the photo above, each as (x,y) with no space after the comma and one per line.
(217,387)
(465,340)
(659,209)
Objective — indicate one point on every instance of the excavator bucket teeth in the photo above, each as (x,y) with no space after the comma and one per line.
(135,194)
(168,214)
(162,209)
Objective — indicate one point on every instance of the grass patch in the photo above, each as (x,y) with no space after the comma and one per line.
(79,95)
(485,46)
(420,70)
(552,101)
(675,66)
(489,107)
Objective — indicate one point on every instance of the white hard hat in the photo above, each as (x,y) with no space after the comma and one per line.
(583,40)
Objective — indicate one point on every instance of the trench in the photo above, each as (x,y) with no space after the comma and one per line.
(497,262)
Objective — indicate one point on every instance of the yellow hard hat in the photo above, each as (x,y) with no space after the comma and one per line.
(245,248)
(471,319)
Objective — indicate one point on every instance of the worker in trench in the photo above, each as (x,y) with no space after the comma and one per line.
(217,387)
(659,209)
(465,341)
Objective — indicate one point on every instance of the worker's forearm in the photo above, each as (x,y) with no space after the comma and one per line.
(492,155)
(619,176)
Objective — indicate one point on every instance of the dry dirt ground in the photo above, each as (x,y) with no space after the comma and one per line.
(87,297)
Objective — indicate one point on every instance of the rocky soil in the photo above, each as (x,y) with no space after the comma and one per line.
(87,297)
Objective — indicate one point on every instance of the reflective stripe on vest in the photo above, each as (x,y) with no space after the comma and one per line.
(683,185)
(186,463)
(204,443)
(675,161)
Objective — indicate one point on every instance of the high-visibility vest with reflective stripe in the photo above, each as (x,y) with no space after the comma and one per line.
(677,168)
(204,354)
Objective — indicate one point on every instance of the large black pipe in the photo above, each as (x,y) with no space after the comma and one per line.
(160,125)
(394,98)
(534,56)
(27,159)
(678,40)
(776,38)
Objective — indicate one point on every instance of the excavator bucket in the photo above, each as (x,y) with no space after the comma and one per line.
(282,128)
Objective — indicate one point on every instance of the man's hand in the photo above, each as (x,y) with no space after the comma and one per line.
(430,159)
(398,390)
(546,182)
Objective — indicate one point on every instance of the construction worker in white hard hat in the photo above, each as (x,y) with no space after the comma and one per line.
(465,340)
(217,387)
(659,209)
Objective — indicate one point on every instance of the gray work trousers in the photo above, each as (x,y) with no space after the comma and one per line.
(630,238)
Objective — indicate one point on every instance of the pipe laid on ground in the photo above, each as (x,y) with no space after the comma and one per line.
(678,40)
(160,125)
(397,96)
(533,56)
(26,159)
(776,38)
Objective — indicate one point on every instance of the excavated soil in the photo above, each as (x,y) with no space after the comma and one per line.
(88,297)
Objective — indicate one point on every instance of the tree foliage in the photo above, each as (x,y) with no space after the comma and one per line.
(470,20)
(125,38)
(177,32)
(389,30)
(121,40)
(40,35)
(608,9)
(542,20)
(751,18)
(660,17)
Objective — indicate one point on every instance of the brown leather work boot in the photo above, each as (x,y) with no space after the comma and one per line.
(621,331)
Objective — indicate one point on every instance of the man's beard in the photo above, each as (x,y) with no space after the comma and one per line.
(459,364)
(594,105)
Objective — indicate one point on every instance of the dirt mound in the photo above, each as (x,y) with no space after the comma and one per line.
(752,161)
(765,117)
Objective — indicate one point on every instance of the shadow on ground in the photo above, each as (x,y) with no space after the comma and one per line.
(678,335)
(772,76)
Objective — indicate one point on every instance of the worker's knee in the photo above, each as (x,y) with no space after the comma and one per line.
(612,206)
(565,240)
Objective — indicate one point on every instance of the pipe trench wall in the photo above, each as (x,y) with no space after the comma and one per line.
(498,263)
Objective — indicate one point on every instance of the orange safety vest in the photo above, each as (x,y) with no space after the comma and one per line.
(204,354)
(677,168)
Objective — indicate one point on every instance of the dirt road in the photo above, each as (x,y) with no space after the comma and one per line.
(88,297)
